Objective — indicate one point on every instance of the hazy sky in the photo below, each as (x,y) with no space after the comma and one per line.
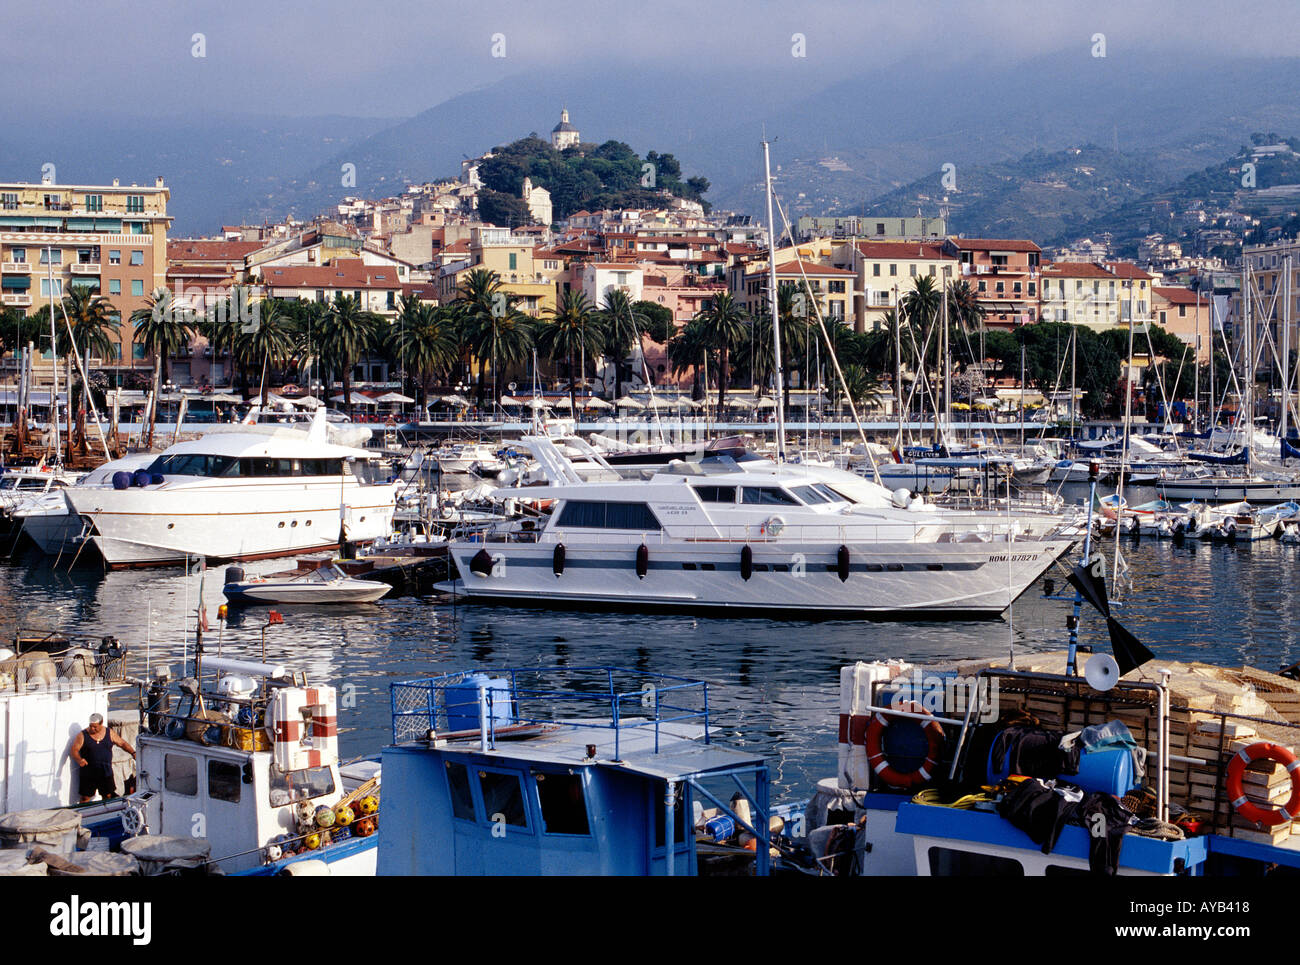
(393,59)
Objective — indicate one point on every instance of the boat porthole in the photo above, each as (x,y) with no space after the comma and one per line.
(293,524)
(280,525)
(363,519)
(308,523)
(171,525)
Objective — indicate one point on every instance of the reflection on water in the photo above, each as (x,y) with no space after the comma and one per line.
(775,685)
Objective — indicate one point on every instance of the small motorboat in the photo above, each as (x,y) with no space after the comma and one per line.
(319,582)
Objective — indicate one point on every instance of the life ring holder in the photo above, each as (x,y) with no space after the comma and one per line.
(772,527)
(1261,750)
(874,740)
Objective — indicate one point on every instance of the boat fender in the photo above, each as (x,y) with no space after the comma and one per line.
(480,564)
(642,561)
(141,478)
(1249,810)
(557,560)
(121,480)
(746,562)
(842,562)
(874,739)
(234,574)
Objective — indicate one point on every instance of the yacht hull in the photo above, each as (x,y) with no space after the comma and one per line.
(899,581)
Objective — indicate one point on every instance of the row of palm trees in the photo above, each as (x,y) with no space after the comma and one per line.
(485,326)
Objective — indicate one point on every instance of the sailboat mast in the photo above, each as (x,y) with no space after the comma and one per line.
(772,305)
(1286,343)
(54,357)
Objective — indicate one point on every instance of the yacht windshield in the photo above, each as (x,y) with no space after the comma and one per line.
(200,464)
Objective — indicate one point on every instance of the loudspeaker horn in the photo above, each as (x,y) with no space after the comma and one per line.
(1102,672)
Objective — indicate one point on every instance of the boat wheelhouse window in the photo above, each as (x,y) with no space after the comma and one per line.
(766,496)
(181,774)
(809,495)
(564,803)
(300,785)
(200,464)
(462,801)
(831,494)
(716,494)
(224,781)
(503,794)
(601,515)
(953,862)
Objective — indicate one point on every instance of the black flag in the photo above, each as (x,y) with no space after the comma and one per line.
(1128,649)
(1089,578)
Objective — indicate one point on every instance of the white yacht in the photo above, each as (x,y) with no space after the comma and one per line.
(237,496)
(728,539)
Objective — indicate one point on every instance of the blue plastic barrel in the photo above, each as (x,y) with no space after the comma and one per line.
(1109,770)
(720,828)
(462,703)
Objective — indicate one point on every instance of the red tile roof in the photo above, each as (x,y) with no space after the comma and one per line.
(900,250)
(344,273)
(202,249)
(1126,269)
(1179,296)
(1076,269)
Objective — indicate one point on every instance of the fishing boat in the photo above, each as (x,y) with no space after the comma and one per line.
(559,770)
(239,496)
(314,582)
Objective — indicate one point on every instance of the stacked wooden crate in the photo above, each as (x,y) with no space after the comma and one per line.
(1264,782)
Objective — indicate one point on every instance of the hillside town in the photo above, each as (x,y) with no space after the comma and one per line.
(158,313)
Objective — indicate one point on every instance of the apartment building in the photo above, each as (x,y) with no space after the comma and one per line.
(108,239)
(833,289)
(527,272)
(1004,274)
(885,271)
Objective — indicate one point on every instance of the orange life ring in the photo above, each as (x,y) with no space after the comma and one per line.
(1251,811)
(876,752)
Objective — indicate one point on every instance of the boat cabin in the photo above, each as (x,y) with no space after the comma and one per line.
(564,771)
(248,759)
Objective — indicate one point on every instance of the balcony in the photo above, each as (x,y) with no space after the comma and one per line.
(84,267)
(15,268)
(13,298)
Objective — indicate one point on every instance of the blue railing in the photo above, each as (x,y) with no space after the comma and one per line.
(542,696)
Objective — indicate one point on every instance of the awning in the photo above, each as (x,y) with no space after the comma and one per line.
(16,283)
(81,224)
(357,399)
(394,397)
(109,224)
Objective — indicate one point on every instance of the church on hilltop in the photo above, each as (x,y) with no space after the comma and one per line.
(564,134)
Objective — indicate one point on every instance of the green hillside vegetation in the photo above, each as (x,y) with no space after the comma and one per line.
(588,176)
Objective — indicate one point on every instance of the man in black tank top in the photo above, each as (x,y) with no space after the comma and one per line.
(92,750)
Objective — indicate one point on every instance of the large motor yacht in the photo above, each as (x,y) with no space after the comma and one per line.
(238,496)
(776,542)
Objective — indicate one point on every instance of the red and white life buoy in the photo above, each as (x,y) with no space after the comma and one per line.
(304,740)
(1249,810)
(874,740)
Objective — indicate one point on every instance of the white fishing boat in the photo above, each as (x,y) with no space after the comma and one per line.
(238,496)
(317,582)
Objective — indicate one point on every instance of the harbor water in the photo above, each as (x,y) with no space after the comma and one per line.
(773,684)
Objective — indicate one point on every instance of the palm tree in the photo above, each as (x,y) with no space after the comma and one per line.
(624,325)
(426,342)
(91,318)
(687,350)
(725,324)
(575,332)
(162,328)
(271,341)
(494,330)
(965,310)
(858,384)
(345,334)
(222,325)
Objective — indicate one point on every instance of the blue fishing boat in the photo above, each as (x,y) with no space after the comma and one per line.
(569,771)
